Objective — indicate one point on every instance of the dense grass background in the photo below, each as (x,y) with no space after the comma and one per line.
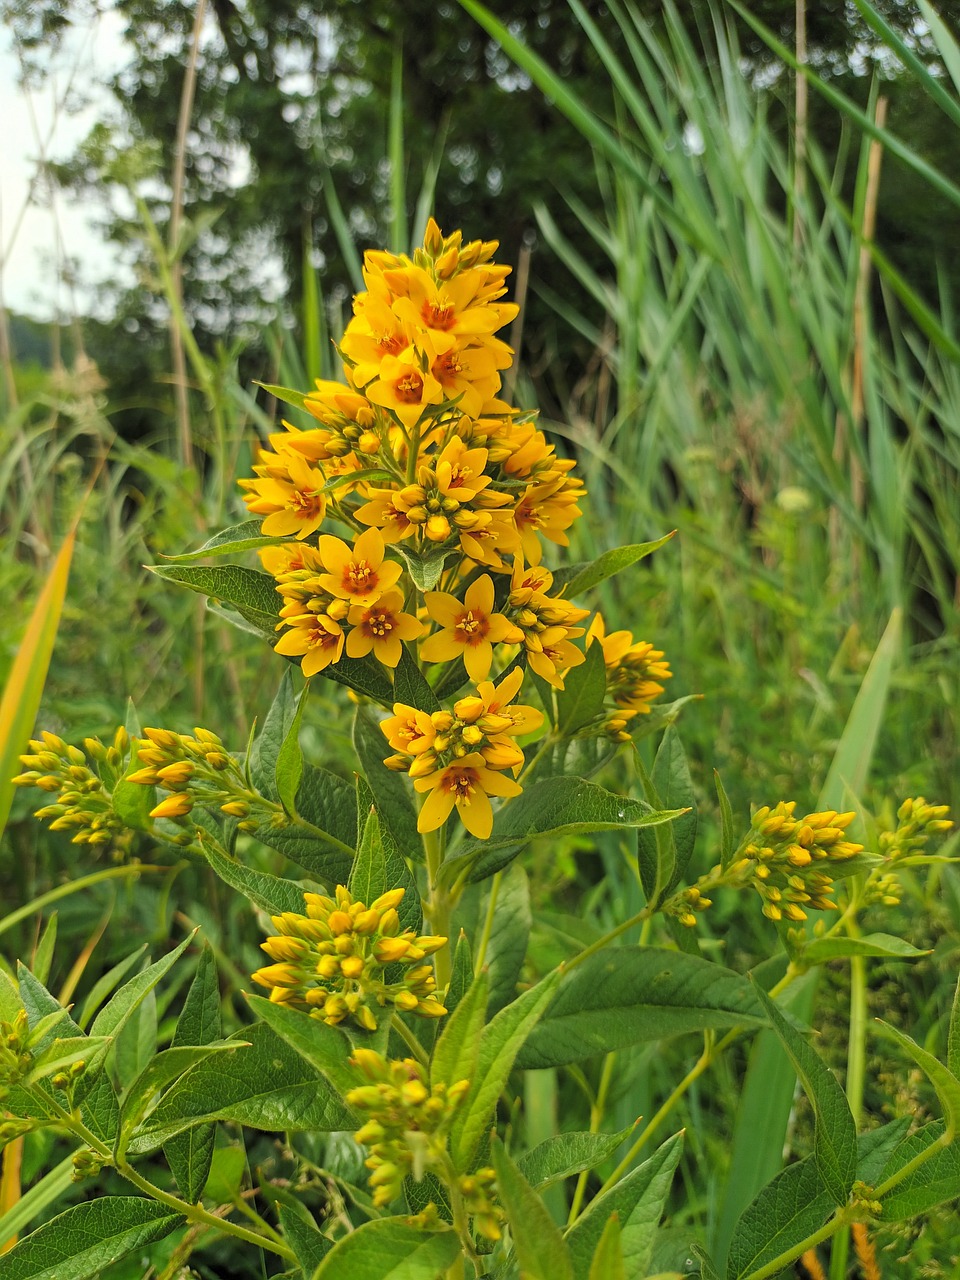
(761,379)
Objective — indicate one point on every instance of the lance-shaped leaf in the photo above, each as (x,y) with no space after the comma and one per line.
(86,1239)
(390,790)
(835,1133)
(552,807)
(303,1236)
(578,578)
(537,1242)
(663,854)
(322,837)
(458,1048)
(273,733)
(378,867)
(270,893)
(390,1249)
(637,1200)
(884,945)
(251,593)
(266,1086)
(631,995)
(934,1182)
(788,1210)
(580,702)
(239,537)
(189,1154)
(326,1048)
(942,1078)
(567,1154)
(501,1041)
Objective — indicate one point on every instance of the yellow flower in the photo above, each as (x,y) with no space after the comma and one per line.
(409,729)
(551,655)
(381,627)
(470,628)
(468,784)
(314,637)
(386,511)
(289,493)
(358,573)
(403,388)
(633,669)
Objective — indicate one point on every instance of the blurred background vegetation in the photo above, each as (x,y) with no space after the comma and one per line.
(738,287)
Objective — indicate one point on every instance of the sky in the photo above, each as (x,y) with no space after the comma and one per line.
(33,123)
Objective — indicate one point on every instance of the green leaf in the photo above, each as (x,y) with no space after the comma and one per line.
(876,1146)
(953,1035)
(239,537)
(835,1134)
(728,835)
(84,1240)
(631,995)
(567,1154)
(637,1200)
(391,790)
(390,1249)
(708,1270)
(251,593)
(580,702)
(107,983)
(363,675)
(270,893)
(537,1242)
(62,1053)
(819,950)
(935,1182)
(425,570)
(132,801)
(851,762)
(509,933)
(458,1048)
(943,1080)
(323,840)
(325,1048)
(266,1086)
(34,1201)
(378,867)
(267,744)
(100,1109)
(39,1004)
(303,1237)
(552,807)
(190,1154)
(167,1066)
(111,1018)
(20,700)
(288,771)
(286,395)
(501,1041)
(664,856)
(949,51)
(43,954)
(788,1209)
(410,685)
(607,1261)
(578,578)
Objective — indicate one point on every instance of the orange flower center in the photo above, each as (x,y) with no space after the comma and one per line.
(359,577)
(471,627)
(438,315)
(448,366)
(409,388)
(526,517)
(306,502)
(461,783)
(390,344)
(379,624)
(320,638)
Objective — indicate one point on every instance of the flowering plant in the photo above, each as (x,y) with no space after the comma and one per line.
(402,529)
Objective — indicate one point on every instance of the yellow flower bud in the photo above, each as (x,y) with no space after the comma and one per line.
(174,806)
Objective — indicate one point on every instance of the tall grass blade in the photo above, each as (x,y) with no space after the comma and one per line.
(398,193)
(24,688)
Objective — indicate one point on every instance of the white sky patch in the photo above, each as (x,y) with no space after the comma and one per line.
(40,234)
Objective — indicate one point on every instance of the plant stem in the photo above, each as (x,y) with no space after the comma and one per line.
(596,1119)
(74,886)
(439,906)
(775,1267)
(856,1061)
(409,1039)
(488,922)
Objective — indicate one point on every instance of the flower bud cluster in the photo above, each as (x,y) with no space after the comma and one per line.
(16,1059)
(788,860)
(917,823)
(83,782)
(198,770)
(406,1130)
(332,961)
(634,669)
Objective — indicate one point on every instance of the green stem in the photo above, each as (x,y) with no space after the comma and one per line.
(913,1165)
(439,907)
(409,1039)
(600,943)
(74,886)
(775,1267)
(596,1119)
(192,1212)
(549,742)
(488,922)
(856,1062)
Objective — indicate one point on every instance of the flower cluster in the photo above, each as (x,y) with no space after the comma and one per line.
(459,756)
(408,1121)
(331,962)
(449,495)
(791,862)
(917,822)
(198,770)
(84,802)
